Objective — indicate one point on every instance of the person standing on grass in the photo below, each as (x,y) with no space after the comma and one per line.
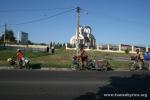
(20,57)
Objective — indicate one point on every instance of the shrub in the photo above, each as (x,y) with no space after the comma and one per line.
(127,51)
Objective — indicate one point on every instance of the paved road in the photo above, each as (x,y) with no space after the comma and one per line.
(67,85)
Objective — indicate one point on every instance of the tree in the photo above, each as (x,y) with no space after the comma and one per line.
(64,45)
(29,42)
(127,51)
(9,36)
(51,44)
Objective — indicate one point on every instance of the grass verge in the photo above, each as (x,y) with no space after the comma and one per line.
(62,58)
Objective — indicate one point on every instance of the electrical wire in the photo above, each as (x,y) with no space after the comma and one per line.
(29,10)
(45,18)
(96,15)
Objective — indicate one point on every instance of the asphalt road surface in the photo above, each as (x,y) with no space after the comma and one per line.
(68,85)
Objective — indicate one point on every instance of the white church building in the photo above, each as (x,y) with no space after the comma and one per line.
(85,37)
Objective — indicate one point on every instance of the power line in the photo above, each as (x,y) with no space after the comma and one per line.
(115,18)
(45,18)
(29,10)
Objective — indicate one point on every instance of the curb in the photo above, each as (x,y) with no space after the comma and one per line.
(57,69)
(53,69)
(50,69)
(1,68)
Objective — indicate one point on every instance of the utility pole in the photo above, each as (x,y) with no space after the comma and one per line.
(78,23)
(5,34)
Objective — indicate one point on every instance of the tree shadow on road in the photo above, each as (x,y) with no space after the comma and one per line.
(136,87)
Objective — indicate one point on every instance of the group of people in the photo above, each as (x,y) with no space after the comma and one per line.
(82,58)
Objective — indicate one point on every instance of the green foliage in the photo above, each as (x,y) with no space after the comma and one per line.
(9,36)
(57,45)
(127,51)
(51,44)
(30,43)
(71,45)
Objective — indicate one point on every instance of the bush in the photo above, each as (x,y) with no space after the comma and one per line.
(127,51)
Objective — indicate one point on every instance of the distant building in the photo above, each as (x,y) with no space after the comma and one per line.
(85,37)
(23,38)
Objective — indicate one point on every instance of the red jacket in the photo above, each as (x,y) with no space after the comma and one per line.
(19,56)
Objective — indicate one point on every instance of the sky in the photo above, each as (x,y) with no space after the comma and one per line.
(112,21)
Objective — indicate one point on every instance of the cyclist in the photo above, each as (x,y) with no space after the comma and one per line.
(20,57)
(139,58)
(83,57)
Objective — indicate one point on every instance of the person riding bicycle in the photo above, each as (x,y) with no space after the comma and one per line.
(82,56)
(74,60)
(139,58)
(20,57)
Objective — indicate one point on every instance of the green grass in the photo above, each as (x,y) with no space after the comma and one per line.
(62,58)
(7,53)
(119,64)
